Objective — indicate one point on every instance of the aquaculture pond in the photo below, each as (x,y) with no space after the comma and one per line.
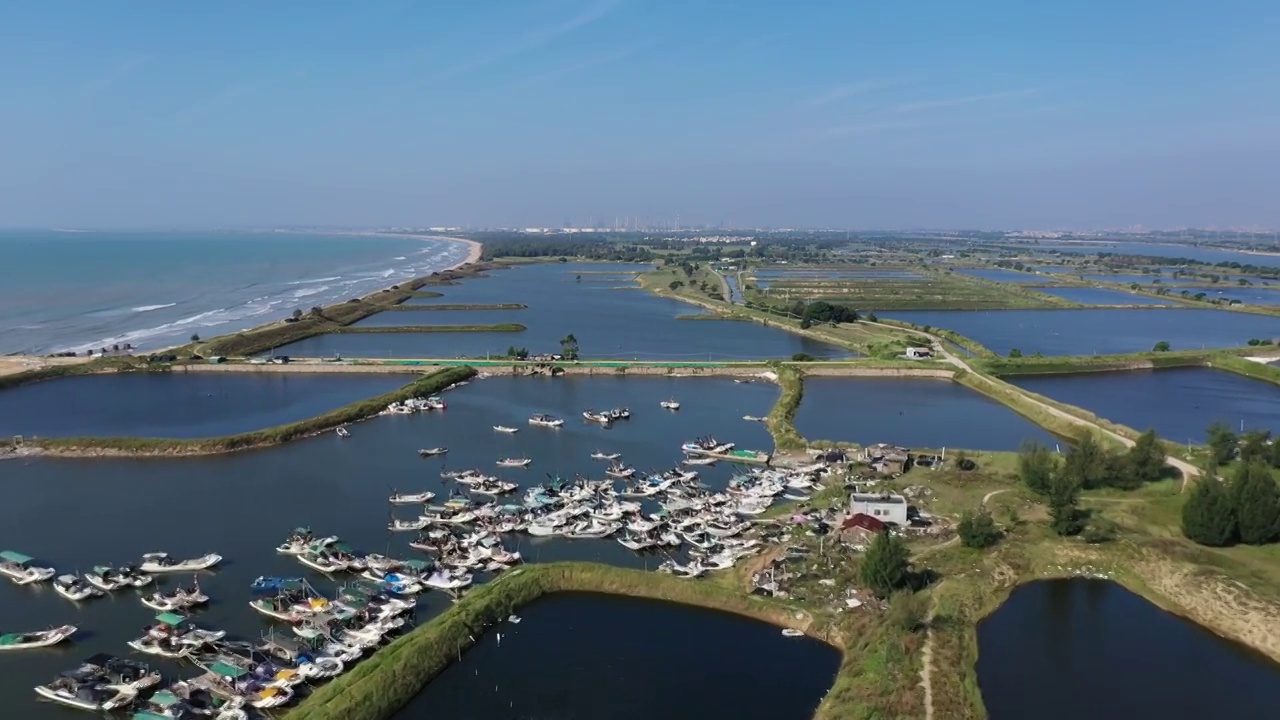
(735,293)
(243,505)
(181,404)
(1101,296)
(1179,403)
(911,412)
(608,323)
(625,658)
(1068,649)
(1246,295)
(818,276)
(1102,331)
(405,318)
(1141,279)
(1209,255)
(1008,276)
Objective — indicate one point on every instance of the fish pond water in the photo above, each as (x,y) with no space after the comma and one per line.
(1068,649)
(73,514)
(1100,296)
(1101,331)
(1007,276)
(181,404)
(582,656)
(911,412)
(1179,403)
(609,321)
(1246,295)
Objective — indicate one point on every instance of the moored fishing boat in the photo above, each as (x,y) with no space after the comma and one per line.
(695,461)
(177,599)
(75,588)
(544,420)
(21,569)
(595,417)
(620,471)
(505,429)
(432,452)
(401,525)
(669,404)
(86,694)
(619,414)
(515,462)
(399,498)
(35,639)
(598,455)
(301,540)
(342,432)
(159,562)
(108,578)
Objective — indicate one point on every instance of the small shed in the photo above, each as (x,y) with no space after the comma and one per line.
(860,528)
(888,508)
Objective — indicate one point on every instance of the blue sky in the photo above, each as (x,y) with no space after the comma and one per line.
(932,113)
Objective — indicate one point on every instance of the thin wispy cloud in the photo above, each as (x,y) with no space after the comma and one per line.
(230,94)
(844,92)
(592,63)
(531,40)
(943,103)
(114,76)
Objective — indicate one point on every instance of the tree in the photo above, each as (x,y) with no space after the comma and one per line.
(1089,465)
(871,317)
(569,347)
(1015,353)
(1221,442)
(1208,517)
(195,337)
(908,610)
(1256,500)
(297,313)
(675,285)
(1036,466)
(1144,462)
(1255,445)
(978,530)
(1063,495)
(886,565)
(1162,346)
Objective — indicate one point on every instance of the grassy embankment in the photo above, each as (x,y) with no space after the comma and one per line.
(360,410)
(925,289)
(458,306)
(500,327)
(977,349)
(53,372)
(865,338)
(1175,296)
(781,419)
(330,318)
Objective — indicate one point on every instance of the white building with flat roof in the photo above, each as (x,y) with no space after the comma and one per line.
(885,507)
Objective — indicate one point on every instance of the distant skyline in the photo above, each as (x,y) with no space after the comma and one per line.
(992,114)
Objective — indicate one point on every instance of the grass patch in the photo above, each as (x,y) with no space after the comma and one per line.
(781,419)
(928,290)
(359,410)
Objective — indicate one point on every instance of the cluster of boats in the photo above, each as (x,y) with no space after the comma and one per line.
(22,570)
(607,417)
(415,405)
(396,577)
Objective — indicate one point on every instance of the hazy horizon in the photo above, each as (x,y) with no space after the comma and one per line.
(1087,116)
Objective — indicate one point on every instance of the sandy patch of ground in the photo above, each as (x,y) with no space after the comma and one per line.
(13,364)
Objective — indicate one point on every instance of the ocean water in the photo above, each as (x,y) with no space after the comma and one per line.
(78,290)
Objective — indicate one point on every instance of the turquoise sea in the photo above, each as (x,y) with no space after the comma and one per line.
(80,290)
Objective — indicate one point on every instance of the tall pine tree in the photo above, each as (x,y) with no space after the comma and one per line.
(1209,516)
(886,565)
(1144,462)
(1036,466)
(1257,503)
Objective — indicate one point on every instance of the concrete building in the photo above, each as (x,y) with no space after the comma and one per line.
(918,353)
(886,507)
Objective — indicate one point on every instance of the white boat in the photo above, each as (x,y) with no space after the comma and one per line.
(670,405)
(792,632)
(432,452)
(752,418)
(178,599)
(342,432)
(21,569)
(158,562)
(505,429)
(515,462)
(595,417)
(422,498)
(107,578)
(87,696)
(698,461)
(74,588)
(546,421)
(323,563)
(442,580)
(398,525)
(619,471)
(597,455)
(37,639)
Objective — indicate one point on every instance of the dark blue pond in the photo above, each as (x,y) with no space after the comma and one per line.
(1246,295)
(181,404)
(912,412)
(1178,403)
(1103,331)
(1101,296)
(578,656)
(1070,649)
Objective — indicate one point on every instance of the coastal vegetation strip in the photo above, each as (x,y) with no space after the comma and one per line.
(460,306)
(360,410)
(781,419)
(378,687)
(499,327)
